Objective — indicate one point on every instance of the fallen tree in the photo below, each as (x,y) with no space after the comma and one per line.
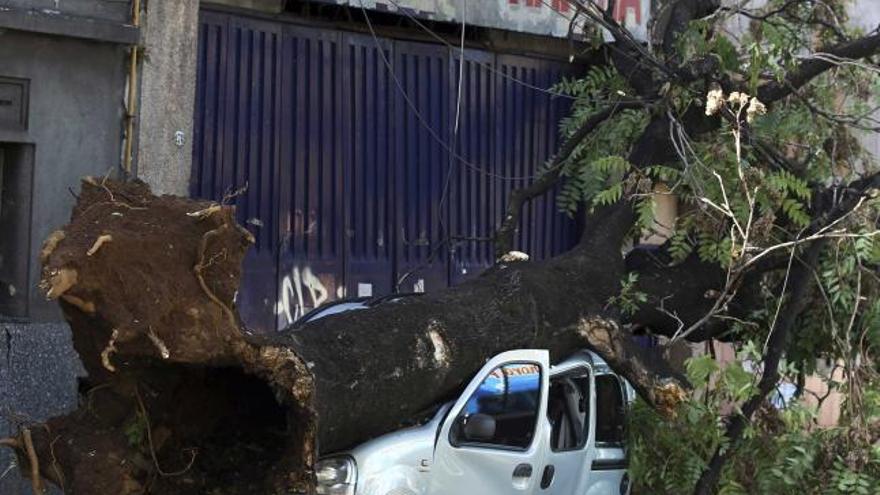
(181,399)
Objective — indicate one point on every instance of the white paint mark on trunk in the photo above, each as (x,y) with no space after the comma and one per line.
(441,352)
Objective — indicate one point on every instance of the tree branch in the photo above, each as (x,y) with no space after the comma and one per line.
(504,236)
(811,68)
(800,282)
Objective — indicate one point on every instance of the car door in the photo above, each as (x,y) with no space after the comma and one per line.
(609,467)
(491,442)
(570,439)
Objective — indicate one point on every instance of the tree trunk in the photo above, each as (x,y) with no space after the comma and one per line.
(181,399)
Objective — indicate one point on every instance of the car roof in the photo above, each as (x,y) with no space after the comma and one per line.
(317,313)
(359,302)
(585,356)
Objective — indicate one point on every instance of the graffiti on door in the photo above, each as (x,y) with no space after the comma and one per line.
(301,291)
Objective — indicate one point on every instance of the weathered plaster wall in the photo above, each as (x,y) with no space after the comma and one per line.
(75,125)
(164,158)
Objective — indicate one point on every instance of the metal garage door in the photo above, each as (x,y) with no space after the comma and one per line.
(359,180)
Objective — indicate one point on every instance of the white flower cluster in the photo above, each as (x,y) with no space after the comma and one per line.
(755,108)
(737,98)
(715,101)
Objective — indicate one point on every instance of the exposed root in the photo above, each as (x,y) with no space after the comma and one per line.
(230,194)
(59,282)
(201,265)
(10,442)
(247,234)
(59,475)
(202,214)
(110,349)
(208,419)
(85,306)
(103,185)
(162,348)
(100,241)
(143,410)
(36,481)
(50,244)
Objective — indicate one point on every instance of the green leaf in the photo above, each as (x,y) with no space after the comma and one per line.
(700,369)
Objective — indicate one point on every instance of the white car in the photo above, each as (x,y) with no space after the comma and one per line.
(520,427)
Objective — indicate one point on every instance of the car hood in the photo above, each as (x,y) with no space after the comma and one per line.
(398,459)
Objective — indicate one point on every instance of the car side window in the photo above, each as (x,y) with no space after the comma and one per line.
(568,411)
(610,410)
(503,411)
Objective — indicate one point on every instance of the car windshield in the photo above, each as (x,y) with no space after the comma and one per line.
(334,309)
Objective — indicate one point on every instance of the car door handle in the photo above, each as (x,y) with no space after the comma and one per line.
(547,478)
(610,464)
(523,471)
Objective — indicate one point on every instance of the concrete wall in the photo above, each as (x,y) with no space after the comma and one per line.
(75,125)
(168,84)
(110,10)
(267,6)
(74,128)
(105,20)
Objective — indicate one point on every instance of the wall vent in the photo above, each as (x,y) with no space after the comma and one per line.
(14,104)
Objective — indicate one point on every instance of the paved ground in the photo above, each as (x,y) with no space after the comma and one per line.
(38,370)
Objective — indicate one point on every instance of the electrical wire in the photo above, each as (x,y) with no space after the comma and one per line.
(460,67)
(499,72)
(490,67)
(422,121)
(457,114)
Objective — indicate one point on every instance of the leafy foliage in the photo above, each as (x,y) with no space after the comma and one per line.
(595,170)
(629,299)
(781,454)
(752,187)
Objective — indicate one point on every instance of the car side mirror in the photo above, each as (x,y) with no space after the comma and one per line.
(479,428)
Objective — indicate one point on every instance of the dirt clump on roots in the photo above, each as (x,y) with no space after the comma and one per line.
(178,398)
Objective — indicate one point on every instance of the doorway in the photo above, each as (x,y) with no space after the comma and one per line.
(16,186)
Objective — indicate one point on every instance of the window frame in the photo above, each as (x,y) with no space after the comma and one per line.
(454,428)
(588,429)
(621,387)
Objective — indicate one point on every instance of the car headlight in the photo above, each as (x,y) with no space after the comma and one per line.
(336,476)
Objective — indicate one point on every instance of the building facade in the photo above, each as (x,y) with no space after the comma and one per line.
(377,155)
(62,115)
